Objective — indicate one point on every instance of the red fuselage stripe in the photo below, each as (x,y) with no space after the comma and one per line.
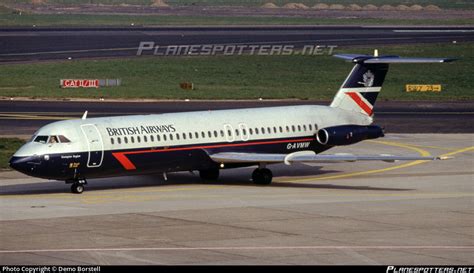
(128,165)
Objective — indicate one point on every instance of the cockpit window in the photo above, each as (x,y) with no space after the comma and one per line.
(64,139)
(42,139)
(53,139)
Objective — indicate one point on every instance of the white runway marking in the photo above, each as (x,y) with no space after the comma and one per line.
(433,30)
(242,248)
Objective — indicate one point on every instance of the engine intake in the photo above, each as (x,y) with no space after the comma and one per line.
(347,134)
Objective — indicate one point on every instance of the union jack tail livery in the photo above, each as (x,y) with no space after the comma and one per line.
(359,91)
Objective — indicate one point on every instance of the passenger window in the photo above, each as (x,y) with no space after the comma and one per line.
(184,136)
(196,134)
(293,128)
(287,129)
(158,138)
(311,127)
(125,140)
(281,129)
(152,138)
(132,139)
(222,133)
(256,131)
(145,139)
(215,134)
(171,136)
(209,134)
(177,136)
(190,135)
(269,130)
(251,131)
(304,127)
(237,132)
(275,130)
(164,137)
(119,140)
(112,141)
(299,128)
(138,139)
(203,135)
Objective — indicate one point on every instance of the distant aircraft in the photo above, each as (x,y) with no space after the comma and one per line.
(207,141)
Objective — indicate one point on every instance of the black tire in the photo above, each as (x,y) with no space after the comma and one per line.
(209,174)
(77,188)
(262,176)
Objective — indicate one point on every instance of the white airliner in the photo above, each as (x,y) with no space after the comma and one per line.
(207,141)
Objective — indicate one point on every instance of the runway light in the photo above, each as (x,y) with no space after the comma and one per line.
(222,165)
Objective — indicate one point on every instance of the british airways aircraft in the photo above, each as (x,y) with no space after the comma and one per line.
(208,141)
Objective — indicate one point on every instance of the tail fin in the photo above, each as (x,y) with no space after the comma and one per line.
(360,89)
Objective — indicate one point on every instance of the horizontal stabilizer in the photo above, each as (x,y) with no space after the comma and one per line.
(389,59)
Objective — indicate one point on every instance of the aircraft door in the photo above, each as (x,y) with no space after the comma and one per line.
(94,144)
(244,131)
(229,133)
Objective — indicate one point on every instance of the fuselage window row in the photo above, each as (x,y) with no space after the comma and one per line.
(220,133)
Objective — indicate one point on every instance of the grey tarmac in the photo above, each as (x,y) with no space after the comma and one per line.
(353,213)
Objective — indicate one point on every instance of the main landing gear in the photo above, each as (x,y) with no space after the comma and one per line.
(209,174)
(262,176)
(77,185)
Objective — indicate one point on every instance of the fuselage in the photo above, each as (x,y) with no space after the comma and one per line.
(140,144)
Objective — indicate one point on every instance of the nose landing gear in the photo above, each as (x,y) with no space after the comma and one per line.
(77,185)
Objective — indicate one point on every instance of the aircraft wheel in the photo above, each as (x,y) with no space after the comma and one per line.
(262,176)
(210,174)
(77,188)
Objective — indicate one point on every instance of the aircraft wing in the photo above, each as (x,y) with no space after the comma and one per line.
(310,157)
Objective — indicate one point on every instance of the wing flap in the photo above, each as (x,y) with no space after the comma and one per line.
(311,157)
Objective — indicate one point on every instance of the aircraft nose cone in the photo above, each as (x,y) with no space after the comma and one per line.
(14,163)
(20,164)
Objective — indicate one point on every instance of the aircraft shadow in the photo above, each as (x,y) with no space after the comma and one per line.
(229,178)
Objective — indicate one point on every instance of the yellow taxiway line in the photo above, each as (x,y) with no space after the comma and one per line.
(422,152)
